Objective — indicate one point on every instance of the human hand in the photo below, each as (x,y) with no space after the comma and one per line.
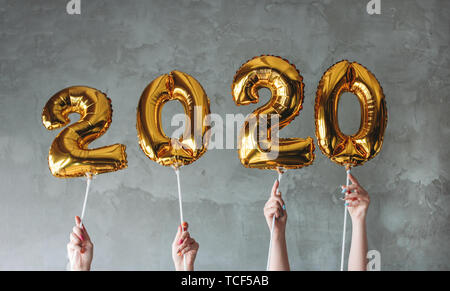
(184,246)
(80,249)
(275,207)
(357,199)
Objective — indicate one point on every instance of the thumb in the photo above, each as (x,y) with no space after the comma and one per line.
(185,226)
(78,221)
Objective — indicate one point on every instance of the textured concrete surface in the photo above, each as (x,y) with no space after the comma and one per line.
(132,215)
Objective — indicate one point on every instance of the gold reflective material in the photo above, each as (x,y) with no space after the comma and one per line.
(152,139)
(258,150)
(356,149)
(69,155)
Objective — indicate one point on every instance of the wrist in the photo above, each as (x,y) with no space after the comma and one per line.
(359,221)
(81,268)
(279,233)
(180,266)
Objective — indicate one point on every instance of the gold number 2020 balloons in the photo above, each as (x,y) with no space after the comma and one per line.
(356,149)
(286,86)
(152,139)
(69,155)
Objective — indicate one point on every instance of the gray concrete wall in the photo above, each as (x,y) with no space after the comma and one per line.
(132,215)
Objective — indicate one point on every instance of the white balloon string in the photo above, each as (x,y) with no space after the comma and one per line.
(280,174)
(177,172)
(88,185)
(345,224)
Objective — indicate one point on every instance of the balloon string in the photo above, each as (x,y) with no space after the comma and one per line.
(86,194)
(88,185)
(345,224)
(280,174)
(177,172)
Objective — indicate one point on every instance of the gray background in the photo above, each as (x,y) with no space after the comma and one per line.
(132,215)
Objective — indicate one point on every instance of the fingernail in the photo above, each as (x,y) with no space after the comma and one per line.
(179,253)
(343,190)
(82,238)
(346,204)
(284,206)
(180,242)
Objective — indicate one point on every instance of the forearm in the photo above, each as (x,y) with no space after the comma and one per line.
(81,269)
(180,267)
(357,260)
(279,260)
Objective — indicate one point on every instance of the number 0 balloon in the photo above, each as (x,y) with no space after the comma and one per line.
(152,139)
(356,149)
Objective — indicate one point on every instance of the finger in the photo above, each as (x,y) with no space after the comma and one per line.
(77,221)
(353,179)
(73,246)
(350,188)
(274,211)
(271,202)
(185,226)
(274,203)
(361,192)
(351,200)
(74,239)
(191,245)
(195,246)
(269,213)
(353,203)
(77,230)
(183,237)
(278,199)
(275,188)
(185,243)
(85,233)
(187,249)
(352,196)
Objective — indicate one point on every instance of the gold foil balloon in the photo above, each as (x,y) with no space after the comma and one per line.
(356,149)
(69,155)
(257,148)
(152,139)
